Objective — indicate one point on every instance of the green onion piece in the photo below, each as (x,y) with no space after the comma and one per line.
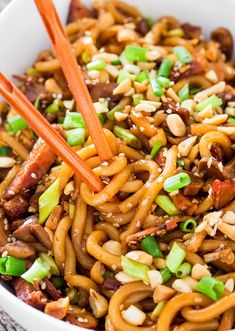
(149,245)
(175,258)
(176,182)
(134,53)
(166,274)
(61,119)
(137,98)
(157,310)
(76,137)
(116,62)
(123,74)
(156,88)
(176,33)
(184,93)
(142,76)
(32,72)
(55,106)
(111,113)
(231,119)
(165,68)
(73,120)
(49,259)
(58,282)
(182,54)
(12,266)
(167,205)
(73,295)
(184,270)
(135,269)
(157,145)
(39,270)
(49,200)
(85,57)
(180,162)
(96,65)
(213,100)
(101,118)
(127,136)
(4,151)
(37,102)
(211,287)
(188,225)
(194,90)
(150,21)
(163,81)
(16,123)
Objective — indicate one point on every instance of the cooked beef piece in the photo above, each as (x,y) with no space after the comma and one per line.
(160,159)
(210,168)
(18,249)
(195,186)
(17,207)
(194,69)
(183,203)
(50,289)
(32,170)
(103,90)
(223,192)
(225,39)
(182,112)
(191,31)
(142,27)
(217,152)
(111,284)
(77,11)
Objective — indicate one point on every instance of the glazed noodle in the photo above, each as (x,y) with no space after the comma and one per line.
(154,249)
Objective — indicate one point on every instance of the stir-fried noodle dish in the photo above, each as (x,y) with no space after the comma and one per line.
(155,248)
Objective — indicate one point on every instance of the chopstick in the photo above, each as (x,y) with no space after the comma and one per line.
(43,129)
(73,75)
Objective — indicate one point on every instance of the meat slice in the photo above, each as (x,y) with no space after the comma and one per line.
(217,152)
(183,203)
(26,293)
(18,249)
(195,186)
(223,192)
(191,31)
(32,170)
(50,289)
(103,90)
(17,207)
(142,27)
(225,39)
(210,168)
(77,11)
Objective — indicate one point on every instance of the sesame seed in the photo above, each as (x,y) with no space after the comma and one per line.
(43,286)
(33,175)
(5,253)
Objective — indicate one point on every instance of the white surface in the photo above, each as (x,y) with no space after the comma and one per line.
(22,36)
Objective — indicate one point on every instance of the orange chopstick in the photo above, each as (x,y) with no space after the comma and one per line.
(44,130)
(73,74)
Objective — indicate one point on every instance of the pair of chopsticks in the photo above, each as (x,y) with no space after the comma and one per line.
(81,95)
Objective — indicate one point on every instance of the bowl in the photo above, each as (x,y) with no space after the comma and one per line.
(22,36)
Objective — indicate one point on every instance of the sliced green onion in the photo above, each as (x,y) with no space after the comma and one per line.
(4,151)
(167,205)
(73,121)
(76,137)
(49,200)
(149,245)
(211,287)
(85,57)
(176,182)
(180,162)
(116,62)
(123,74)
(163,81)
(184,270)
(111,114)
(55,107)
(96,65)
(32,72)
(213,100)
(182,54)
(16,123)
(166,274)
(58,282)
(150,21)
(142,76)
(61,119)
(194,90)
(49,259)
(165,68)
(37,102)
(101,118)
(188,225)
(135,269)
(156,88)
(127,136)
(12,266)
(175,258)
(135,53)
(39,270)
(231,119)
(157,310)
(156,147)
(184,93)
(137,98)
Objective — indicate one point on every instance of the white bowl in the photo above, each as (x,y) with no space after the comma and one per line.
(22,36)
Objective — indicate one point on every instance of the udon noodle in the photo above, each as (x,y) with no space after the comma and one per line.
(154,249)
